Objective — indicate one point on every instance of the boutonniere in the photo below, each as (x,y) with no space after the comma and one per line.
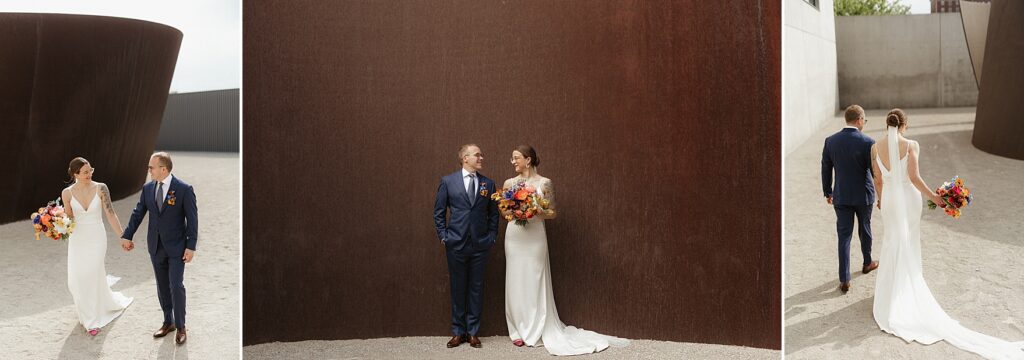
(170,198)
(483,192)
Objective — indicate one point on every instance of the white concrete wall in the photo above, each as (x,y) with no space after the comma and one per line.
(907,61)
(809,76)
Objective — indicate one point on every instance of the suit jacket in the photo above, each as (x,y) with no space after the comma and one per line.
(468,223)
(176,226)
(848,152)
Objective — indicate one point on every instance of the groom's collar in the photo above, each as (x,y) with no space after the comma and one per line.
(466,173)
(167,180)
(850,127)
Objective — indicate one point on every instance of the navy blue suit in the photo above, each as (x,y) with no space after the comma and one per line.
(468,232)
(171,231)
(848,152)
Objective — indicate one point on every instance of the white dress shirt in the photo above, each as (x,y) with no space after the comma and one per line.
(167,185)
(466,178)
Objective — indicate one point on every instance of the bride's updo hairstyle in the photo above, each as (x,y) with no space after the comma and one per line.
(528,152)
(74,167)
(896,118)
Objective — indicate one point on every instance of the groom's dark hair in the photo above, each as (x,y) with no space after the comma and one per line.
(165,160)
(853,113)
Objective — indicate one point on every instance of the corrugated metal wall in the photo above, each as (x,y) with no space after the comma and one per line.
(998,125)
(657,121)
(77,85)
(200,121)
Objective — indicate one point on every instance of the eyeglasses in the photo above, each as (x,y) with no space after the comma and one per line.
(89,171)
(151,168)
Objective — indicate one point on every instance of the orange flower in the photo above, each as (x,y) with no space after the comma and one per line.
(45,219)
(522,194)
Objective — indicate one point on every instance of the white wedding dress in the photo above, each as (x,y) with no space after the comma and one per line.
(903,305)
(530,311)
(88,282)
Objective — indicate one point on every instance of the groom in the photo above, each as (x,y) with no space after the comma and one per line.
(467,235)
(172,235)
(848,152)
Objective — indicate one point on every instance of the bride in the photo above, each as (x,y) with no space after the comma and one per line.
(903,305)
(88,282)
(530,311)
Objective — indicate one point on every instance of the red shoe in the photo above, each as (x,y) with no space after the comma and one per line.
(93,332)
(518,342)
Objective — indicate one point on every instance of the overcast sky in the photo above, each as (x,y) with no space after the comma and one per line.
(211,51)
(918,6)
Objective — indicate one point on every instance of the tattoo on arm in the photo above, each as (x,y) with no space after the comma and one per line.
(546,186)
(105,196)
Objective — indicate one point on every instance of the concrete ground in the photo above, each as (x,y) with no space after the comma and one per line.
(972,264)
(494,348)
(38,319)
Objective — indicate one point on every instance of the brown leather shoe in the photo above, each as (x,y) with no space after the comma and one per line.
(164,330)
(455,341)
(475,341)
(181,336)
(844,287)
(867,268)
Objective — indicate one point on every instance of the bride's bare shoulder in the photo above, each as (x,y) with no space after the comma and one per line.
(914,145)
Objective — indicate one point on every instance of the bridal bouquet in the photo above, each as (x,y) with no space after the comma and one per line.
(954,196)
(52,221)
(522,200)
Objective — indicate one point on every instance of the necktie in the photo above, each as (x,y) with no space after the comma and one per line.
(160,196)
(471,188)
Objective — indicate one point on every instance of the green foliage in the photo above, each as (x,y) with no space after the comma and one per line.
(870,7)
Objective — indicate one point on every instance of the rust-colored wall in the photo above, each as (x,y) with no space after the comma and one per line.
(999,121)
(657,121)
(75,85)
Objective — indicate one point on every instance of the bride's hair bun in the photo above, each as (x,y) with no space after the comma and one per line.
(528,152)
(896,118)
(74,167)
